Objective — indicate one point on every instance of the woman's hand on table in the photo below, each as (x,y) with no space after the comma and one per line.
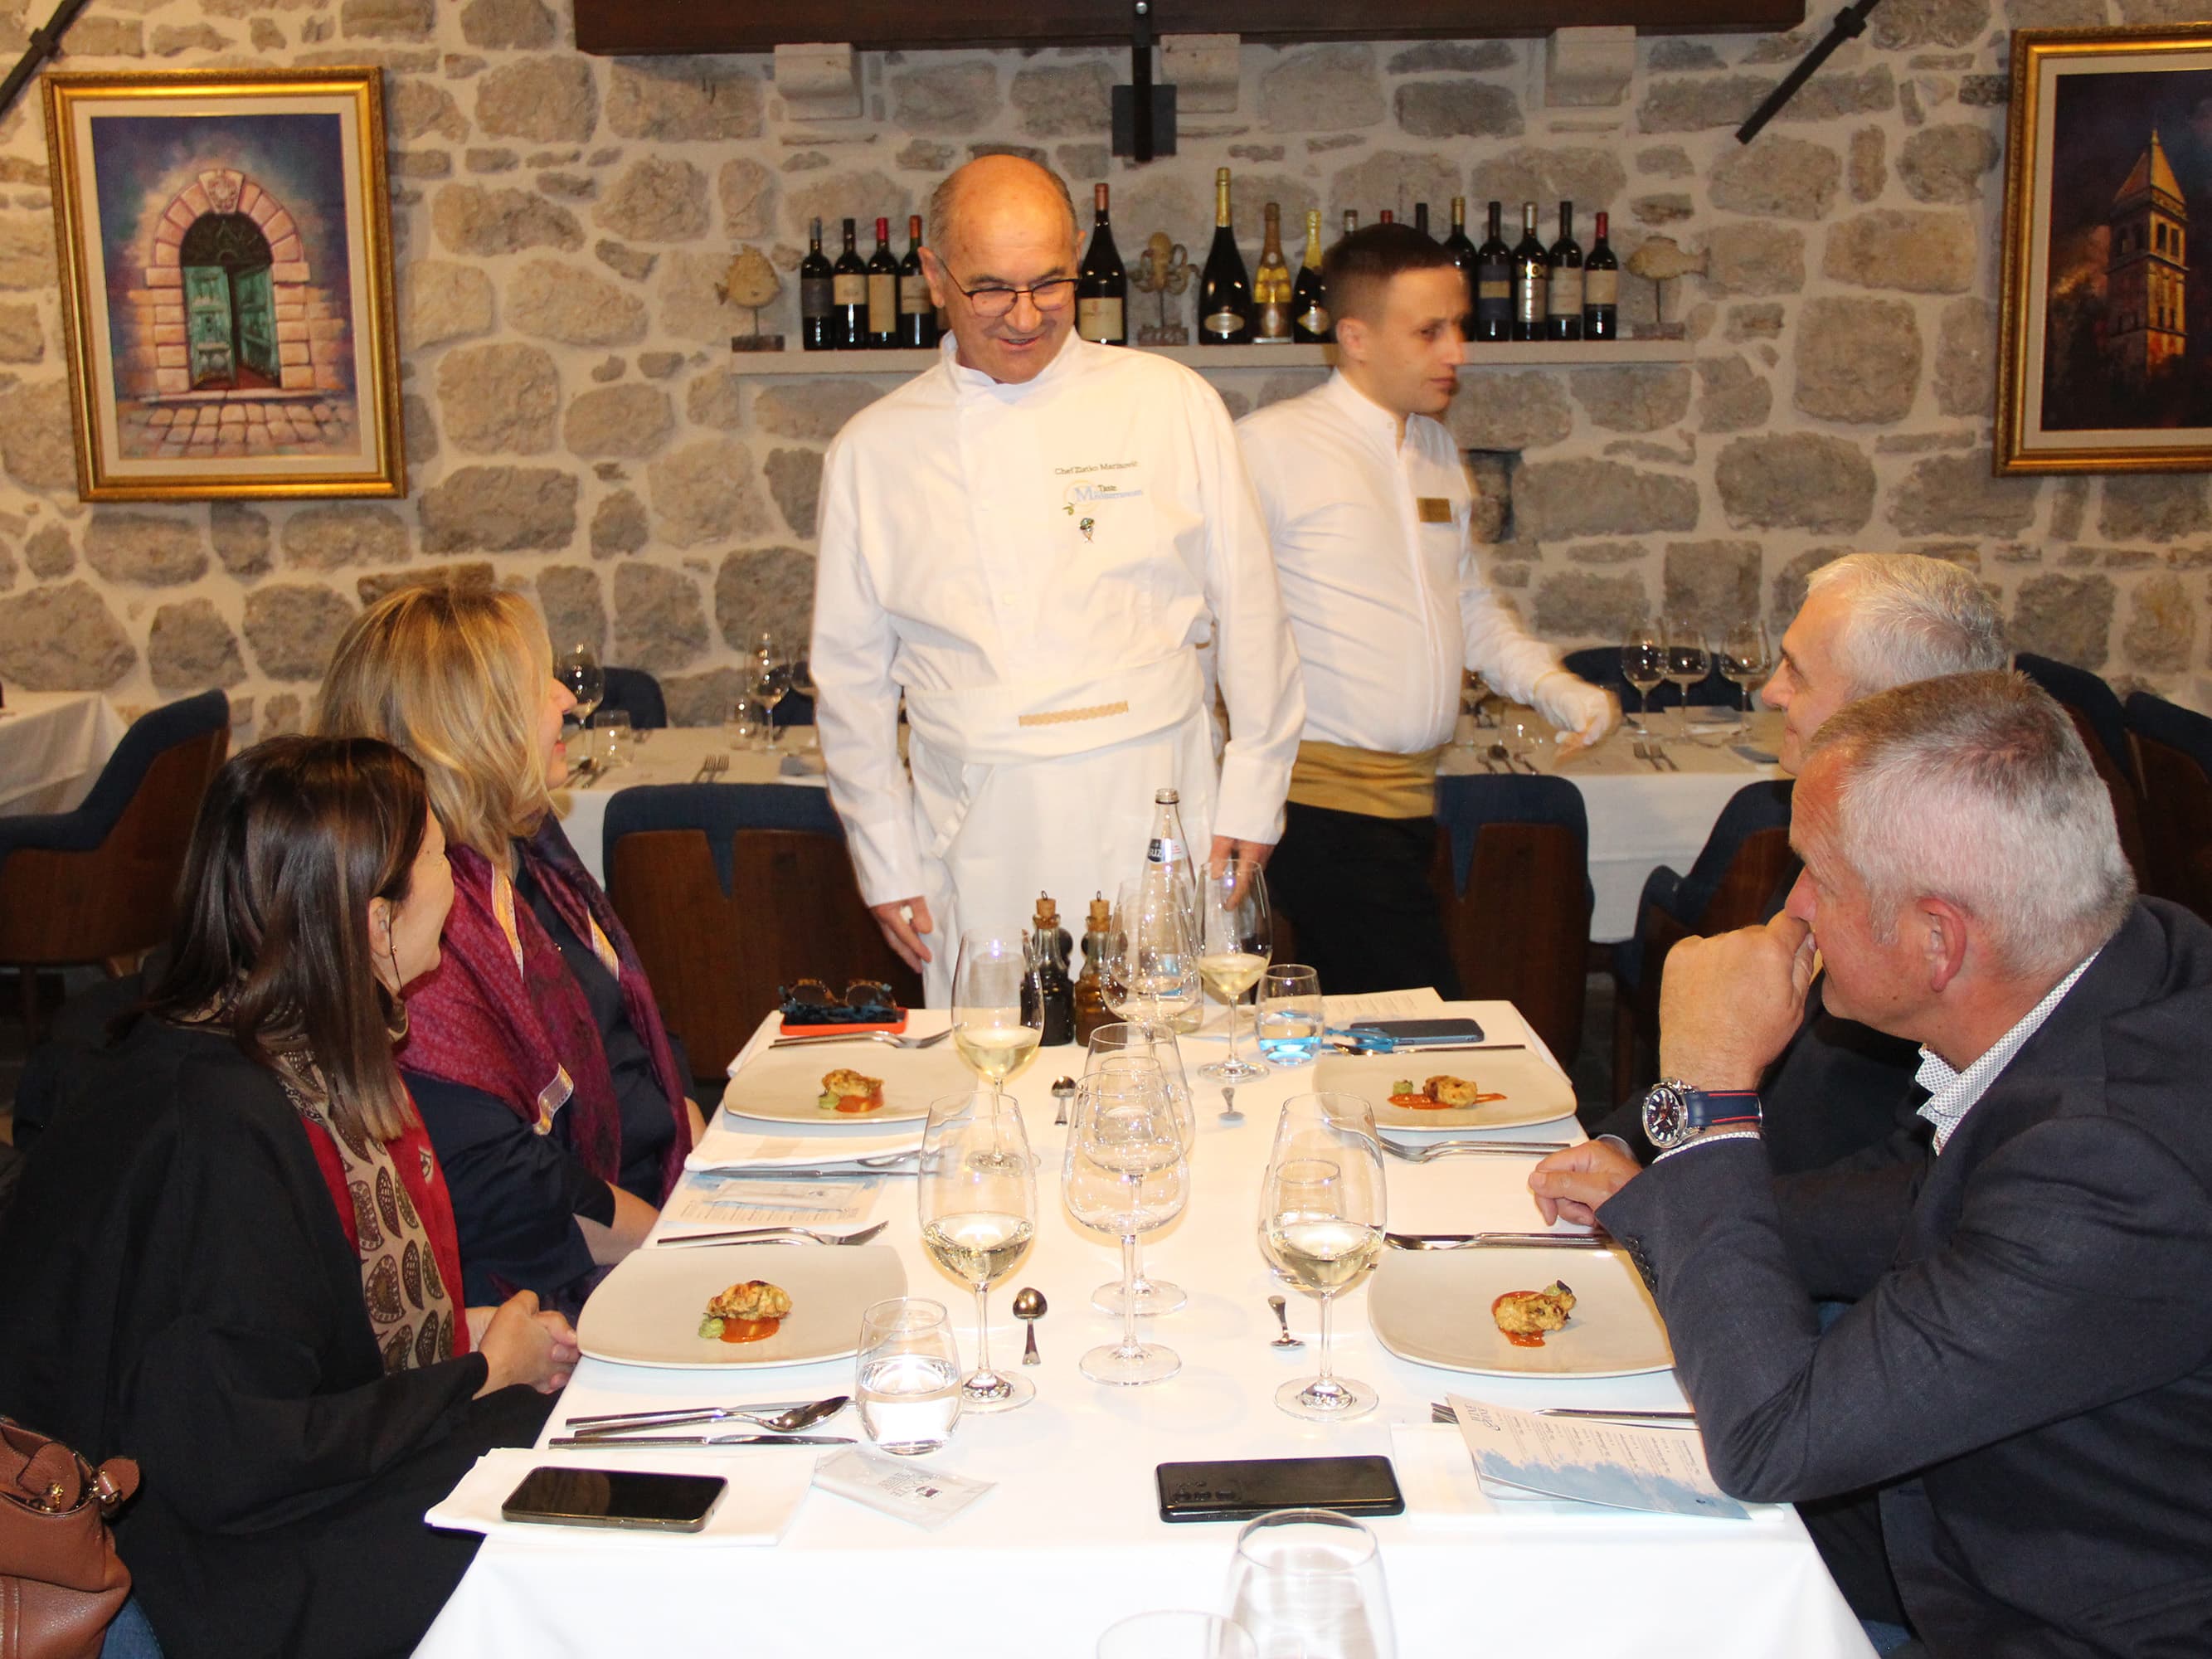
(524,1344)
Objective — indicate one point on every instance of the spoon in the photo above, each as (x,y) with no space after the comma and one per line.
(1063,1092)
(1228,1112)
(1283,1318)
(1028,1308)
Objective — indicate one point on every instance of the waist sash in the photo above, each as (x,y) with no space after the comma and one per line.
(1046,719)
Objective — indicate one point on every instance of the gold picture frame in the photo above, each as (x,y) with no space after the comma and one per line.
(2104,346)
(225,243)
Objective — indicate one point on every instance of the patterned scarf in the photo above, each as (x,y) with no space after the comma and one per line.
(399,1277)
(503,1015)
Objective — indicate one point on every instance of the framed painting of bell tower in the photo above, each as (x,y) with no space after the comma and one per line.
(225,247)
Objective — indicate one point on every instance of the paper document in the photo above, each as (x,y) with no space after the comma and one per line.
(727,1201)
(1419,1003)
(1615,1464)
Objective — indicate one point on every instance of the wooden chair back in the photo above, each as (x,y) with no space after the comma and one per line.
(1520,932)
(2178,827)
(2127,801)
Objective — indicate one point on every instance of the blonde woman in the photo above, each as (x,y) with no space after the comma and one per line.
(536,1054)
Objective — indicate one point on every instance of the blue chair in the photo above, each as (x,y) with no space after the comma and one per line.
(1737,881)
(732,891)
(2103,725)
(2174,757)
(634,692)
(97,884)
(1512,882)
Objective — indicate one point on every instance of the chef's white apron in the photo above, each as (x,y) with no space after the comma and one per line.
(1048,786)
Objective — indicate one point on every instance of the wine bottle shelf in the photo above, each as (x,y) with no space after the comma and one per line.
(1528,353)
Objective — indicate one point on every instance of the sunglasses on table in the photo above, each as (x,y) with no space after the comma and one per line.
(861,994)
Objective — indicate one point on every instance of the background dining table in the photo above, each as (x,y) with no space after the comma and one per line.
(1069,1540)
(52,745)
(1642,813)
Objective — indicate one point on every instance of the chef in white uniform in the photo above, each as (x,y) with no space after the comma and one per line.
(1032,541)
(1368,507)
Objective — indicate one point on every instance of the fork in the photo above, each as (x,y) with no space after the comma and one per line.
(1645,752)
(772,1236)
(1469,1148)
(711,768)
(884,1037)
(1659,754)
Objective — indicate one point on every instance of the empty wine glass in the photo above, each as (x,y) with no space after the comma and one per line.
(1644,666)
(577,667)
(767,678)
(1309,1581)
(1321,1211)
(1238,940)
(1158,952)
(993,1032)
(1745,659)
(1687,662)
(742,730)
(976,1199)
(1518,734)
(1144,1049)
(1124,1173)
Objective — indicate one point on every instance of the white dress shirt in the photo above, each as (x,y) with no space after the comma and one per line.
(1952,1094)
(1387,607)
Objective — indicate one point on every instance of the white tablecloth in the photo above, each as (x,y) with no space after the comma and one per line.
(52,745)
(1638,817)
(1070,1542)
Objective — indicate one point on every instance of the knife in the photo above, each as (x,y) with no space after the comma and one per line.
(684,1413)
(820,1172)
(600,1442)
(1680,1419)
(1507,1241)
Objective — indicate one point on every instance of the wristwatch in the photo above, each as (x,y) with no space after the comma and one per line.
(1675,1110)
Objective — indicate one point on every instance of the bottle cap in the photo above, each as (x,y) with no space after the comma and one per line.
(1047,913)
(1102,914)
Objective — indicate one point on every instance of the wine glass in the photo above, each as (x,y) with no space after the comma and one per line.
(1644,666)
(1745,659)
(1291,1014)
(1143,1050)
(767,678)
(1124,1173)
(577,667)
(992,1029)
(1687,662)
(976,1199)
(1159,957)
(1517,734)
(1238,940)
(1321,1211)
(1176,1634)
(1310,1582)
(908,1380)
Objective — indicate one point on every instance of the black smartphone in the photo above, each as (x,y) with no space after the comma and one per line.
(615,1498)
(1419,1033)
(1240,1489)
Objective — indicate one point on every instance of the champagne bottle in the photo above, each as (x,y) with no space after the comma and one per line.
(1224,292)
(917,321)
(1600,289)
(1271,285)
(848,296)
(1102,285)
(1462,253)
(1531,279)
(1091,1008)
(1308,298)
(816,331)
(882,291)
(1563,318)
(1493,284)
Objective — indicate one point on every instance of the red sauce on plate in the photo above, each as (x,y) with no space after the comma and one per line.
(1518,1339)
(748,1330)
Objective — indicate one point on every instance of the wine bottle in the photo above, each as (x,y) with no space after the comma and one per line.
(1462,253)
(1351,219)
(817,332)
(1600,289)
(1271,284)
(1308,298)
(848,295)
(1386,217)
(1563,318)
(917,321)
(1102,285)
(1493,283)
(1224,292)
(882,291)
(1531,279)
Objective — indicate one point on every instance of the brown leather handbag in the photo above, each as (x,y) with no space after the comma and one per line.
(61,1581)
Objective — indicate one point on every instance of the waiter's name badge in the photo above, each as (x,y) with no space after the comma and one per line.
(1433,510)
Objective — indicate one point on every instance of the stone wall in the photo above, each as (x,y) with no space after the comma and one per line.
(563,222)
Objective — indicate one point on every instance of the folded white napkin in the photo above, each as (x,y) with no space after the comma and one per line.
(766,1485)
(731,1146)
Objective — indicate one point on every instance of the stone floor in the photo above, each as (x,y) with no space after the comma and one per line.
(241,423)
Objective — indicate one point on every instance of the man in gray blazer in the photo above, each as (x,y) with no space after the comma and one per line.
(2025,1377)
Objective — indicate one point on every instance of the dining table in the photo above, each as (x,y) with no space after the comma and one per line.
(1068,1539)
(1643,812)
(52,745)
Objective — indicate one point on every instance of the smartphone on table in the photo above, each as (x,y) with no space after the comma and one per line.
(634,1500)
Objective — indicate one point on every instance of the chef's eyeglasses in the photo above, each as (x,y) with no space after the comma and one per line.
(993,301)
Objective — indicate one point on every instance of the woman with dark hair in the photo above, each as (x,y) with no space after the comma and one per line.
(233,1257)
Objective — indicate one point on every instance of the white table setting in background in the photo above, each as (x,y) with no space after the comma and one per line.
(675,754)
(1069,1540)
(52,745)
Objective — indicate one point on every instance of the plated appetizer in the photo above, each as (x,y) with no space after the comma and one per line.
(1525,1316)
(748,1311)
(846,1090)
(1438,1094)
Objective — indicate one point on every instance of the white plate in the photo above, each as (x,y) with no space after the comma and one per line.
(647,1312)
(1534,1092)
(1433,1307)
(780,1086)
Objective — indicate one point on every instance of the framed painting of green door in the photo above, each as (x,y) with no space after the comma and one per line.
(227,283)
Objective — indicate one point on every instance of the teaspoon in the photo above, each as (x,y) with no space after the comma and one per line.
(1228,1112)
(1028,1308)
(1283,1318)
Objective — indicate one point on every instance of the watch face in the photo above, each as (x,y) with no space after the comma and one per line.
(1666,1117)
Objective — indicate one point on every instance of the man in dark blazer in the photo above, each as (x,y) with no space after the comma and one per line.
(2025,1375)
(1870,621)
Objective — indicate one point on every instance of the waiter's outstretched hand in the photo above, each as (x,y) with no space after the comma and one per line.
(1228,847)
(904,922)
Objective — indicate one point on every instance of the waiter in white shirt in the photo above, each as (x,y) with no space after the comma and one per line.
(1032,541)
(1367,507)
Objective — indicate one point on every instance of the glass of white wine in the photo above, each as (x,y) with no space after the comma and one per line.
(992,1033)
(1321,1212)
(1239,938)
(1145,1050)
(976,1199)
(1123,1173)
